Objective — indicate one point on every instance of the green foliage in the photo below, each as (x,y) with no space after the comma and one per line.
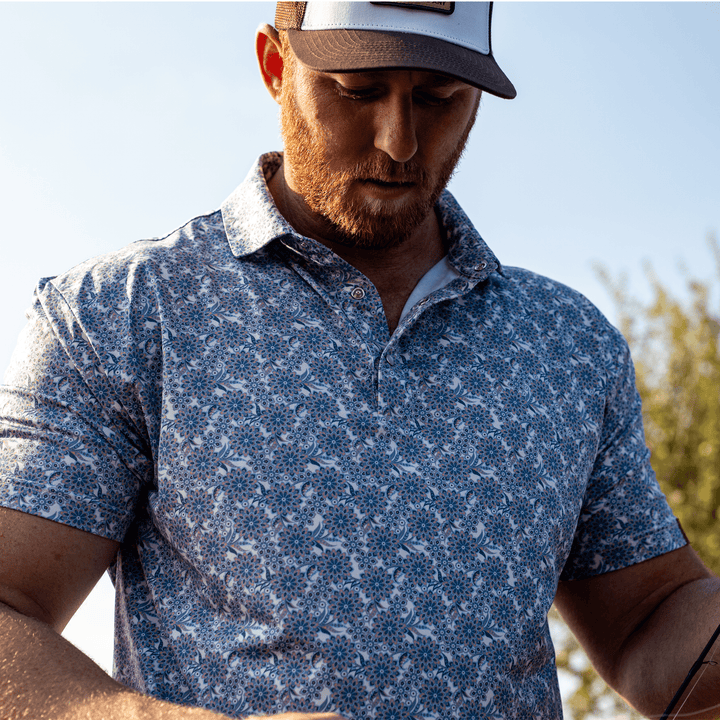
(677,364)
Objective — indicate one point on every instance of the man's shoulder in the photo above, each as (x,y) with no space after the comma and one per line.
(555,309)
(196,242)
(243,224)
(539,293)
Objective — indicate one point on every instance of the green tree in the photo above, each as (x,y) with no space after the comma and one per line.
(677,364)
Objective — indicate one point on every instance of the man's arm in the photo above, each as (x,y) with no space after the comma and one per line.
(46,571)
(644,626)
(45,677)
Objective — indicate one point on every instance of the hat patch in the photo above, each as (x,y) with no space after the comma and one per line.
(446,8)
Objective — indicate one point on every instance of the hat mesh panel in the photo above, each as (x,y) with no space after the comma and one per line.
(289,15)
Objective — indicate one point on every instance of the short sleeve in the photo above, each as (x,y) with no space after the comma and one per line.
(69,449)
(625,518)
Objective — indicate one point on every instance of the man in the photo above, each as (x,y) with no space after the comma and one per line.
(339,460)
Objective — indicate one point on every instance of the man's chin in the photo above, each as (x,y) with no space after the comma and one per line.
(373,241)
(361,219)
(385,229)
(387,197)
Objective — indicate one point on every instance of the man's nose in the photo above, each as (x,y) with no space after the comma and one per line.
(395,132)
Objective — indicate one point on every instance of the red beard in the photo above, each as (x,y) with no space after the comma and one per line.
(351,222)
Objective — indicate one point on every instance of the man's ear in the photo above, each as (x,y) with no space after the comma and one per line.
(269,54)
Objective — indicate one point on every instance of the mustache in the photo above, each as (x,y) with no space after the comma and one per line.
(384,169)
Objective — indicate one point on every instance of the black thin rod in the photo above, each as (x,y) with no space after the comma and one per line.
(691,674)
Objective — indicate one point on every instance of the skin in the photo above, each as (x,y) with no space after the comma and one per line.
(642,626)
(408,116)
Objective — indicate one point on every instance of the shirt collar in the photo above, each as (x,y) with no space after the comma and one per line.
(252,220)
(467,251)
(250,216)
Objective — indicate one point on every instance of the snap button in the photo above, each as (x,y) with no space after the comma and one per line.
(357,293)
(482,265)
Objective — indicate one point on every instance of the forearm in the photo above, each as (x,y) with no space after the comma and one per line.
(657,657)
(44,677)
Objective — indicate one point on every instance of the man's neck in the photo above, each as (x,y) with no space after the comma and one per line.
(394,271)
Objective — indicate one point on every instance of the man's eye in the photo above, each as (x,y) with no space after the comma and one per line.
(432,100)
(352,94)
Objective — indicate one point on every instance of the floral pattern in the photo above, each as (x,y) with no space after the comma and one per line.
(316,515)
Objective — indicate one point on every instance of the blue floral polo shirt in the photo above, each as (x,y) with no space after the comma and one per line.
(317,515)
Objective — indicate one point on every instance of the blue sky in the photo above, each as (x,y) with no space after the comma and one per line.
(120,121)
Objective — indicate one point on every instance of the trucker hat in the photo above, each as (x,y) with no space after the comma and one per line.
(448,37)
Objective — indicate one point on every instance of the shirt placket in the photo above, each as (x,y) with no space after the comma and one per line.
(360,303)
(395,387)
(364,310)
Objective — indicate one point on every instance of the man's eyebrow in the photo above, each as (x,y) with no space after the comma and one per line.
(366,76)
(434,79)
(443,80)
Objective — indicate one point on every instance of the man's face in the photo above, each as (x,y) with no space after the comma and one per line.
(371,152)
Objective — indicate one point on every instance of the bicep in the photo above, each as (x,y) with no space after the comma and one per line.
(603,611)
(47,569)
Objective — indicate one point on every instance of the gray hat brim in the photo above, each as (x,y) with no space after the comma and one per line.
(357,50)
